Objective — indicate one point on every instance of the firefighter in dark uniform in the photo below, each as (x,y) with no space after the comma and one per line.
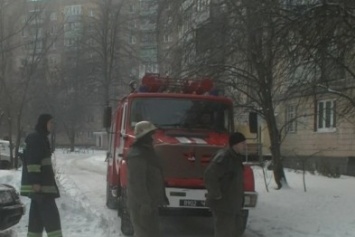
(145,188)
(38,181)
(224,183)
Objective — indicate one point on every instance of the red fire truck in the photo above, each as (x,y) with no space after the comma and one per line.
(193,123)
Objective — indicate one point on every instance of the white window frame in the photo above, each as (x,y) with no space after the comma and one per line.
(330,118)
(291,122)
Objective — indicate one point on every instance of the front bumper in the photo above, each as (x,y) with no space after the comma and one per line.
(11,215)
(195,198)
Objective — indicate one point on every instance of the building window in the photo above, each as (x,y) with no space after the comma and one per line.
(168,69)
(131,8)
(148,38)
(144,5)
(180,31)
(91,42)
(24,33)
(326,116)
(91,13)
(167,38)
(69,42)
(132,39)
(53,60)
(72,10)
(202,5)
(53,16)
(291,124)
(53,30)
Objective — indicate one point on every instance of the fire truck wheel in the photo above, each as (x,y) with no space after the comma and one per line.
(245,214)
(126,224)
(111,201)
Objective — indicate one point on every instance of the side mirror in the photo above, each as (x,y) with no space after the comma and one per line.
(107,117)
(253,122)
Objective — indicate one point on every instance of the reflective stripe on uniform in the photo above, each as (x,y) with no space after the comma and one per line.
(48,189)
(34,168)
(26,189)
(57,233)
(31,234)
(44,189)
(46,161)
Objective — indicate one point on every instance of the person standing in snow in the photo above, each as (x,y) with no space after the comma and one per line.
(145,188)
(224,183)
(38,181)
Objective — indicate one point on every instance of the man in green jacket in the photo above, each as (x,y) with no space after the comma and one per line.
(224,183)
(38,181)
(145,188)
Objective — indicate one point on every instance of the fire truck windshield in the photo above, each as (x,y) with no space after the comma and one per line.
(169,113)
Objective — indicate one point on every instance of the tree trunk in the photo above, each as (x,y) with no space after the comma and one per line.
(72,141)
(279,174)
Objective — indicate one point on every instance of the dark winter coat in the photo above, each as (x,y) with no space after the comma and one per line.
(37,164)
(145,177)
(224,181)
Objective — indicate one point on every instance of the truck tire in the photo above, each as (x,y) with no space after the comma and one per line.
(245,214)
(119,207)
(126,224)
(111,201)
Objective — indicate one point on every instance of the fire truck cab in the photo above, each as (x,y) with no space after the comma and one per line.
(193,123)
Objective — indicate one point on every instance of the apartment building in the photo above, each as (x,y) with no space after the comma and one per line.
(318,134)
(320,123)
(142,36)
(56,38)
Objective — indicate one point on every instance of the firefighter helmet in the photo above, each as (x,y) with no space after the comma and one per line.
(142,128)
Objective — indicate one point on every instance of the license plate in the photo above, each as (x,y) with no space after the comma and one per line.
(246,200)
(192,203)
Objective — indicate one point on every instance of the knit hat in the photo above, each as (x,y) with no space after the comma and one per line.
(42,121)
(236,138)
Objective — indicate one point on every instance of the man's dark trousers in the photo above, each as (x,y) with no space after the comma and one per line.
(226,224)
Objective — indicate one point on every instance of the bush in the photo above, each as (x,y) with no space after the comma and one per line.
(326,169)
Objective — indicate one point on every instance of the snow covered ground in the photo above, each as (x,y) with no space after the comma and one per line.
(325,210)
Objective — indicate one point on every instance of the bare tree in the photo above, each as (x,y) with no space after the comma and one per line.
(17,82)
(110,47)
(244,46)
(255,61)
(69,93)
(72,94)
(328,36)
